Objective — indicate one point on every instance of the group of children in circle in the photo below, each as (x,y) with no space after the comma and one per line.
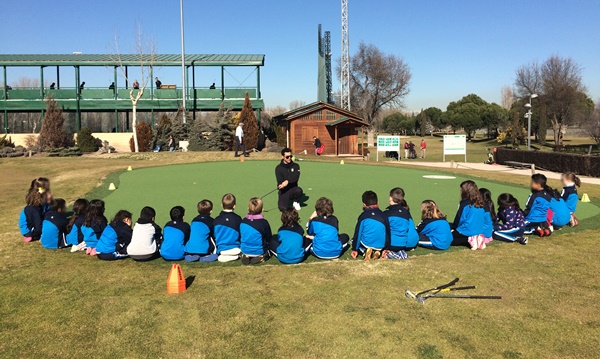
(378,234)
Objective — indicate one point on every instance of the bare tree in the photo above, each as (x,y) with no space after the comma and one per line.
(297,103)
(592,123)
(145,52)
(377,81)
(507,97)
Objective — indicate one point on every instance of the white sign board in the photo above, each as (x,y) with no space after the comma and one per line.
(388,143)
(455,145)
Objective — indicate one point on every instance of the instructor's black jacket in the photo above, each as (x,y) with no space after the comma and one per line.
(288,171)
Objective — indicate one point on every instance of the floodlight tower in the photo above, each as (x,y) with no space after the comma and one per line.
(345,65)
(328,81)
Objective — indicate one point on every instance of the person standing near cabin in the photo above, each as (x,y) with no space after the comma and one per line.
(239,140)
(136,85)
(423,147)
(318,146)
(158,83)
(288,175)
(406,148)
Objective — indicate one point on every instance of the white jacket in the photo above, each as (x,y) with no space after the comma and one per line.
(143,240)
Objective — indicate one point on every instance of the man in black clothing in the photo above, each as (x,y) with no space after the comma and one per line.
(288,174)
(317,144)
(158,83)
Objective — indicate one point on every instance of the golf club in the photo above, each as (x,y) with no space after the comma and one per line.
(421,298)
(412,295)
(269,193)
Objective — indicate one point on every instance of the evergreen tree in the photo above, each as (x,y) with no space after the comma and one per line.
(212,133)
(423,123)
(163,130)
(85,141)
(52,134)
(251,130)
(144,137)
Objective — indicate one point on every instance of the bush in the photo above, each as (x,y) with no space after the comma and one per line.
(212,133)
(85,141)
(552,161)
(6,141)
(52,134)
(251,130)
(144,135)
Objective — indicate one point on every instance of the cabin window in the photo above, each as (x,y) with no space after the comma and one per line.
(317,115)
(331,115)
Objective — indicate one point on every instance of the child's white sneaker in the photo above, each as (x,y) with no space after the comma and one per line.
(297,206)
(78,247)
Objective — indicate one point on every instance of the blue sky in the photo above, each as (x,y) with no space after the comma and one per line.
(452,47)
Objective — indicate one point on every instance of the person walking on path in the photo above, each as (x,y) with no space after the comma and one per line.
(423,147)
(287,173)
(239,140)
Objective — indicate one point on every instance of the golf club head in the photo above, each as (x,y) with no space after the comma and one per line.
(420,299)
(410,295)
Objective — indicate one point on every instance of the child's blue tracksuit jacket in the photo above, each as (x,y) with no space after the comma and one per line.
(326,242)
(561,216)
(75,236)
(469,219)
(201,235)
(30,221)
(227,231)
(569,194)
(175,236)
(255,234)
(115,238)
(372,230)
(291,244)
(92,234)
(437,230)
(54,230)
(536,209)
(402,228)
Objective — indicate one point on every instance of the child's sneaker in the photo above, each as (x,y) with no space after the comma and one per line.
(192,258)
(245,260)
(297,206)
(400,255)
(540,232)
(523,240)
(547,232)
(481,242)
(473,242)
(27,239)
(376,255)
(223,258)
(551,228)
(368,254)
(91,251)
(258,259)
(78,247)
(209,258)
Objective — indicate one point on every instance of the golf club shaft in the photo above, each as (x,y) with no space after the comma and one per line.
(269,193)
(440,287)
(445,290)
(465,296)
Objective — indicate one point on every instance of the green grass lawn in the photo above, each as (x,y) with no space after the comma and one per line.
(55,304)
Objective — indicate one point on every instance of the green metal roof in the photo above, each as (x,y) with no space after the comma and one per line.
(130,60)
(344,119)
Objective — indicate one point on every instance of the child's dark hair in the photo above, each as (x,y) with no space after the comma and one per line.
(95,213)
(540,179)
(397,196)
(205,206)
(429,209)
(147,213)
(369,198)
(488,202)
(289,217)
(324,207)
(470,192)
(570,176)
(228,201)
(177,213)
(58,204)
(506,200)
(79,209)
(121,216)
(255,206)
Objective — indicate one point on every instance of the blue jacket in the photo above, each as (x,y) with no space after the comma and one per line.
(255,235)
(561,216)
(75,236)
(488,223)
(511,218)
(569,194)
(92,234)
(201,234)
(438,231)
(372,230)
(536,209)
(227,231)
(291,244)
(54,229)
(326,243)
(30,221)
(469,219)
(402,227)
(175,236)
(115,238)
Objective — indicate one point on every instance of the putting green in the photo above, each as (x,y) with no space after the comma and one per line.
(185,185)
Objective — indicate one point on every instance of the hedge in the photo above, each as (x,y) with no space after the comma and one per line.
(552,161)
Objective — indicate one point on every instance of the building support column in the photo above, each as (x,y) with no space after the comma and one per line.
(222,82)
(5,84)
(42,82)
(194,90)
(57,77)
(78,91)
(258,94)
(337,153)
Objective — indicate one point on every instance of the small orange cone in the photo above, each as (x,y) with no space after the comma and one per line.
(242,158)
(175,281)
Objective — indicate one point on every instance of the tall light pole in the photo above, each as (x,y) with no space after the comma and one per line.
(528,115)
(183,84)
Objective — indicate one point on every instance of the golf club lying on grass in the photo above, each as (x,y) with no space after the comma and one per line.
(436,292)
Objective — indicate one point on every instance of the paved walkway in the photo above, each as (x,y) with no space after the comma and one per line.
(490,168)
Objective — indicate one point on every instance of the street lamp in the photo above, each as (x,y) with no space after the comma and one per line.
(528,116)
(183,84)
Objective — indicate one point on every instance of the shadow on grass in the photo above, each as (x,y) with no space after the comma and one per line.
(189,281)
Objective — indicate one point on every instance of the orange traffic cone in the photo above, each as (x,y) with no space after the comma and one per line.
(175,281)
(242,158)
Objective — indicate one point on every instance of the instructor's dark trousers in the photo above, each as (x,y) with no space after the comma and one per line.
(289,195)
(239,146)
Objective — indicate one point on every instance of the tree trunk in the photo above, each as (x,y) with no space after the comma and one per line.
(371,137)
(556,127)
(134,126)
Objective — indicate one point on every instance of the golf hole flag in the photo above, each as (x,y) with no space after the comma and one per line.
(388,143)
(455,145)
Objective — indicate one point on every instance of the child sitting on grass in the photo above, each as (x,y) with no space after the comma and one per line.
(75,237)
(255,234)
(227,230)
(146,237)
(434,230)
(289,245)
(323,226)
(93,225)
(372,232)
(403,235)
(115,238)
(54,227)
(467,228)
(31,217)
(175,236)
(489,220)
(510,225)
(558,214)
(570,183)
(537,206)
(201,245)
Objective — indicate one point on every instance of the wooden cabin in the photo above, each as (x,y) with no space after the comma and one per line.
(339,130)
